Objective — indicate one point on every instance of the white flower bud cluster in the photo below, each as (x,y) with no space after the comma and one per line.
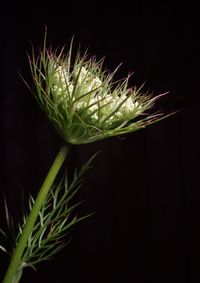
(61,86)
(83,101)
(97,103)
(87,80)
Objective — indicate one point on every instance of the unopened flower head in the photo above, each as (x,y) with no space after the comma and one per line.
(83,102)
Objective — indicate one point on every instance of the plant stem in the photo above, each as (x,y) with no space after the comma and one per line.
(17,277)
(18,252)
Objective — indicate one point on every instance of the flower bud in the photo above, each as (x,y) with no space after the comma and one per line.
(83,102)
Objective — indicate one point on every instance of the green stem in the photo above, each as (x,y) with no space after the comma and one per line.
(17,255)
(17,277)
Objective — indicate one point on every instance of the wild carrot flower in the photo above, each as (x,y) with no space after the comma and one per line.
(82,100)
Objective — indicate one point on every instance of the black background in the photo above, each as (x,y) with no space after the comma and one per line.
(144,187)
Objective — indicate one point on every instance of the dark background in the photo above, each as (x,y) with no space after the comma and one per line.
(144,187)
